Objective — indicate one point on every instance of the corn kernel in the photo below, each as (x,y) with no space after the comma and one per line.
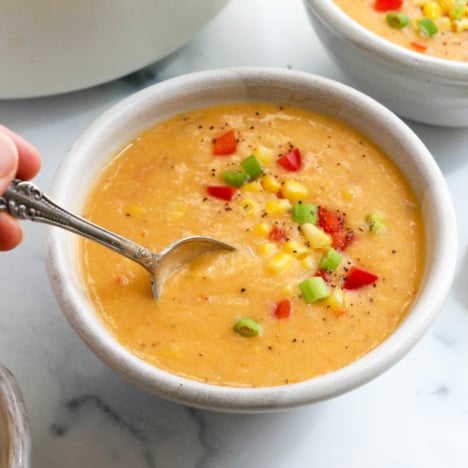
(262,229)
(295,247)
(446,5)
(279,263)
(336,299)
(270,184)
(309,263)
(289,289)
(263,154)
(171,353)
(254,186)
(432,10)
(249,207)
(348,194)
(294,191)
(317,238)
(135,210)
(277,206)
(267,249)
(460,25)
(176,210)
(443,23)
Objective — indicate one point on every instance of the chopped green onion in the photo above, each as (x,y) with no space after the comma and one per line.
(235,178)
(247,327)
(375,221)
(330,260)
(314,289)
(397,20)
(427,27)
(252,167)
(458,10)
(304,213)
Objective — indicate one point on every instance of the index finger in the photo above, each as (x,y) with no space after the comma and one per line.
(29,158)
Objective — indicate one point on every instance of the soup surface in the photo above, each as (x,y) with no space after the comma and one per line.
(329,237)
(435,27)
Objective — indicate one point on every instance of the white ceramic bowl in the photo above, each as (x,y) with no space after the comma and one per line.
(55,46)
(138,112)
(416,86)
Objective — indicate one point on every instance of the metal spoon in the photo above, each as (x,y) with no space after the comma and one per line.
(23,200)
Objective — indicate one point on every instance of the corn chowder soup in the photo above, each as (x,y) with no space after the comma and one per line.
(434,27)
(329,239)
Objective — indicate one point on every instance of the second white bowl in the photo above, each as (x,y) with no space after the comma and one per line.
(422,88)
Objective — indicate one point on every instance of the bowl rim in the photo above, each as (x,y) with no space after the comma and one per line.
(186,391)
(434,68)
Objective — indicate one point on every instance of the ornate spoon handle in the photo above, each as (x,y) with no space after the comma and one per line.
(23,200)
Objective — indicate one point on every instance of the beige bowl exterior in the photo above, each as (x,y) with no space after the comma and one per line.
(416,86)
(144,109)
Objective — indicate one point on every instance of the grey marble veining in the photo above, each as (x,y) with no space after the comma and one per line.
(83,414)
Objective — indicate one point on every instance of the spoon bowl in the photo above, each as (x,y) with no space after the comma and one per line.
(24,200)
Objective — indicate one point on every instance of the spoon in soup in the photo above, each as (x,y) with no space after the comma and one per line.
(24,200)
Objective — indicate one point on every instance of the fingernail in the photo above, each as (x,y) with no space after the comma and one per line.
(8,157)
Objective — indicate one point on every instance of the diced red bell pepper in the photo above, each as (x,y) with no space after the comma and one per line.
(277,233)
(330,222)
(387,5)
(333,223)
(341,239)
(221,191)
(339,313)
(323,274)
(418,46)
(283,309)
(291,161)
(357,278)
(225,144)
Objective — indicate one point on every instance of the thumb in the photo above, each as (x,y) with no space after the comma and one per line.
(8,161)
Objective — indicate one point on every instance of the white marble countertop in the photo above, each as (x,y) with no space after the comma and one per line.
(83,414)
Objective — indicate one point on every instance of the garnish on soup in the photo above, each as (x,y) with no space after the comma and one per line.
(433,27)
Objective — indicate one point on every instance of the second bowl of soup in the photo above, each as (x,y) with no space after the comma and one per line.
(411,56)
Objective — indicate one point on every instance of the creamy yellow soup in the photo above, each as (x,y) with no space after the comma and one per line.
(157,190)
(443,32)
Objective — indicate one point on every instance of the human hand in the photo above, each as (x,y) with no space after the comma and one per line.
(18,158)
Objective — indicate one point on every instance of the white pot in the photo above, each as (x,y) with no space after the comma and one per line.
(54,46)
